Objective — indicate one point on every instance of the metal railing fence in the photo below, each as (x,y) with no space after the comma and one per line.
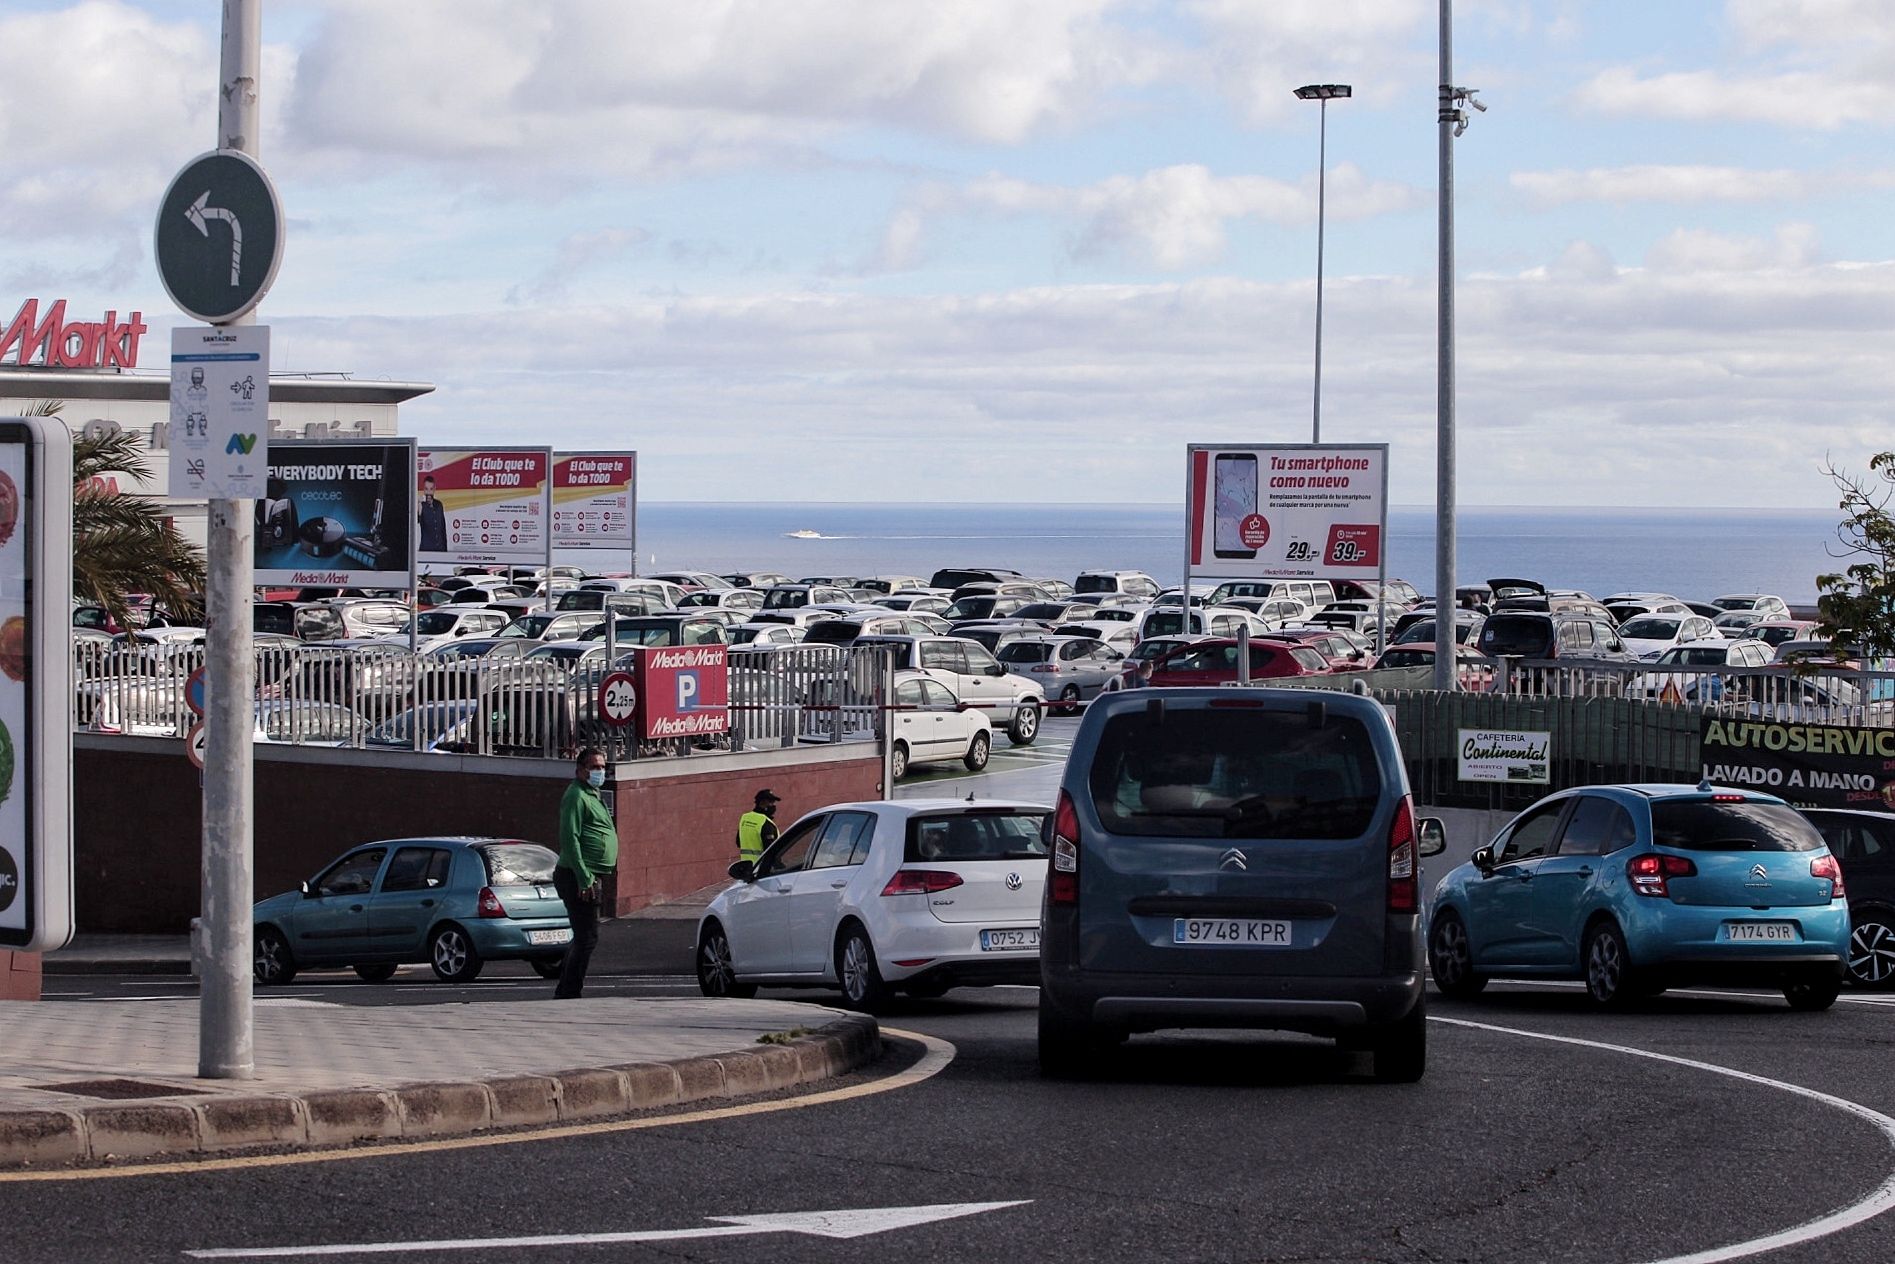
(372,696)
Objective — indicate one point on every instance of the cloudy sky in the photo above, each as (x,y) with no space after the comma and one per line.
(989,250)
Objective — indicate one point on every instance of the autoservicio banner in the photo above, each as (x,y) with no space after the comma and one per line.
(1811,765)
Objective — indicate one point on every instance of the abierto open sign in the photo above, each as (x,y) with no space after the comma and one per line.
(683,691)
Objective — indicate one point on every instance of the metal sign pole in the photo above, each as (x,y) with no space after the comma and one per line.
(1447,115)
(226,1039)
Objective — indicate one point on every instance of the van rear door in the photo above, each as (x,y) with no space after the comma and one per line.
(1238,836)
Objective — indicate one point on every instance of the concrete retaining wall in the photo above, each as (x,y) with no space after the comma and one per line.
(138,832)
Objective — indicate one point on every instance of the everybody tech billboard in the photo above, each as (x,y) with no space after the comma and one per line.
(338,514)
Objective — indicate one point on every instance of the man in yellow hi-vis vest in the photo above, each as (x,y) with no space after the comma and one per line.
(756,829)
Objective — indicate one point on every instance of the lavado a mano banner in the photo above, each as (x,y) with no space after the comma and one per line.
(1811,765)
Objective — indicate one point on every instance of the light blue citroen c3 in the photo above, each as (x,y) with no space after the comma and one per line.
(1636,888)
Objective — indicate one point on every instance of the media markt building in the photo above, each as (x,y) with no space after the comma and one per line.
(87,364)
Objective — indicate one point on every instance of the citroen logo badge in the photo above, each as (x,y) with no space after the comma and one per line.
(1758,871)
(1233,859)
(1013,882)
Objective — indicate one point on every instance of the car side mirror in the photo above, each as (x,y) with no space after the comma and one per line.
(1432,834)
(1483,859)
(743,870)
(305,889)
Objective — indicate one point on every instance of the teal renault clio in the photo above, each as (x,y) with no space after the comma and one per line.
(455,903)
(1234,858)
(1636,888)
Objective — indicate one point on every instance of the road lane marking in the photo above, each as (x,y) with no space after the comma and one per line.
(936,1055)
(850,1223)
(1873,1002)
(1879,1200)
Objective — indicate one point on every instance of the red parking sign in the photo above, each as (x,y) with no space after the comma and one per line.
(683,691)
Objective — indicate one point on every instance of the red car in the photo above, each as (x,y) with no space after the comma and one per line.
(1214,661)
(1342,651)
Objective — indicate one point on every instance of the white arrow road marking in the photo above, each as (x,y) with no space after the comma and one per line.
(822,1224)
(199,214)
(1879,1200)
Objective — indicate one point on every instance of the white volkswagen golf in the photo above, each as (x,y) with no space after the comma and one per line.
(916,896)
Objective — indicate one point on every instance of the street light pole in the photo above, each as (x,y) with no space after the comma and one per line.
(1322,94)
(1452,121)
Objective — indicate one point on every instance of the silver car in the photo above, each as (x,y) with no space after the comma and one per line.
(1068,668)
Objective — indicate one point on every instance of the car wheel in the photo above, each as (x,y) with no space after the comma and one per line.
(1400,1050)
(453,955)
(1025,726)
(898,762)
(716,971)
(977,752)
(861,980)
(1068,1049)
(1872,949)
(547,969)
(1609,975)
(377,972)
(1818,992)
(1451,958)
(274,966)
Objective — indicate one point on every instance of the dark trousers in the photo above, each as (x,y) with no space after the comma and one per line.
(584,915)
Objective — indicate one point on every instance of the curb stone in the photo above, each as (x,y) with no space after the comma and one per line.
(228,1125)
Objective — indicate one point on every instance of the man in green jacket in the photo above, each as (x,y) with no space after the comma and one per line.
(588,849)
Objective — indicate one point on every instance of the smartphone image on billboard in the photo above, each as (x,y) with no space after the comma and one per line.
(1234,499)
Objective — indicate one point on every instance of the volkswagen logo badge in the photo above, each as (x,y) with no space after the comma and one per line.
(1013,882)
(1233,859)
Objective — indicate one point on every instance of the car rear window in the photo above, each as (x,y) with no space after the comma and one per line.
(1706,825)
(1650,628)
(1025,652)
(1237,772)
(1517,636)
(992,835)
(518,864)
(833,632)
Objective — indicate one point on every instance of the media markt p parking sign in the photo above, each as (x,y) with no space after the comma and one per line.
(220,412)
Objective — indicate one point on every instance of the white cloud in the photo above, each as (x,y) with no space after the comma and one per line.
(1818,99)
(577,253)
(1172,217)
(1698,250)
(615,86)
(1258,53)
(1655,183)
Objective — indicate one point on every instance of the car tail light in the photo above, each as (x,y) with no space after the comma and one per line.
(920,882)
(1728,798)
(1404,888)
(1063,878)
(1044,667)
(1827,867)
(490,905)
(1651,872)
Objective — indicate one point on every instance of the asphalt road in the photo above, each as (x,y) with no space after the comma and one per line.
(1705,1124)
(1186,1147)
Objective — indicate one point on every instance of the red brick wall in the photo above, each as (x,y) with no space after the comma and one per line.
(19,976)
(137,847)
(679,833)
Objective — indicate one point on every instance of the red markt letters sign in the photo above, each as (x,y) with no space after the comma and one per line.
(683,691)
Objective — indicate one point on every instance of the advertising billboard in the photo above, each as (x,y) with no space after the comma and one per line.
(35,685)
(1287,511)
(338,514)
(479,507)
(1811,765)
(595,500)
(682,691)
(1505,755)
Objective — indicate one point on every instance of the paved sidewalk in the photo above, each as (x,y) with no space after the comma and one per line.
(84,1082)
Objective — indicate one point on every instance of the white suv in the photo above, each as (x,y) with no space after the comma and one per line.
(976,677)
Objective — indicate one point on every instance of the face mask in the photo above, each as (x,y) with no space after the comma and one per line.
(595,777)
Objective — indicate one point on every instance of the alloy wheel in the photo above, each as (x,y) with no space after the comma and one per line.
(1872,953)
(855,969)
(1605,967)
(450,952)
(715,972)
(1449,954)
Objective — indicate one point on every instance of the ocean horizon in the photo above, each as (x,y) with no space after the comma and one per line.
(1694,553)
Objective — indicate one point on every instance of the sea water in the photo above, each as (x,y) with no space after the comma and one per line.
(1693,553)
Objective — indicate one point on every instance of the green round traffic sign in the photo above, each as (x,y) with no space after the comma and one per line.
(219,236)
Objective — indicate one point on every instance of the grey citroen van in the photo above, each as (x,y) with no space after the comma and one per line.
(1235,858)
